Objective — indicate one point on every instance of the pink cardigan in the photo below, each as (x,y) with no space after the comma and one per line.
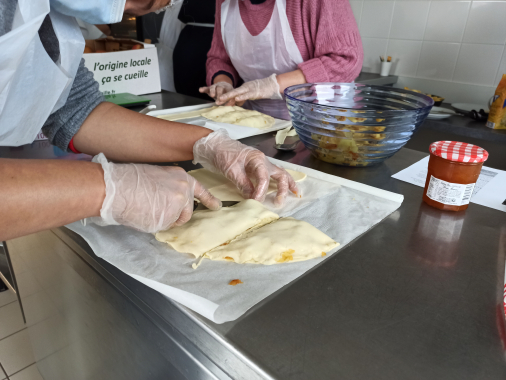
(325,32)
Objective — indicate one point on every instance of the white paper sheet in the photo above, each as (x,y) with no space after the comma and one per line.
(236,132)
(489,191)
(340,208)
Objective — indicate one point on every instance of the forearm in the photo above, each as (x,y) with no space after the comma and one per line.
(290,79)
(124,135)
(41,194)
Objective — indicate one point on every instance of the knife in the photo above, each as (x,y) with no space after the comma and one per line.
(199,206)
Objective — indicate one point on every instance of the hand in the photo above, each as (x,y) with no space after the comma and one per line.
(218,89)
(219,153)
(149,198)
(267,88)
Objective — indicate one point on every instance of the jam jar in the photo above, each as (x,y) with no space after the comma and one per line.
(454,168)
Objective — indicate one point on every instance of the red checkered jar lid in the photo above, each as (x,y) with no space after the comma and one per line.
(458,151)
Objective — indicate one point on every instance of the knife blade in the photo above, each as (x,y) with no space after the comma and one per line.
(199,206)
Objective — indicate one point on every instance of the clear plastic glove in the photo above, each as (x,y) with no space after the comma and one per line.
(149,198)
(242,165)
(216,90)
(267,88)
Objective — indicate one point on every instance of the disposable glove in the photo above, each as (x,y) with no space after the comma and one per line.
(242,164)
(267,88)
(216,90)
(149,198)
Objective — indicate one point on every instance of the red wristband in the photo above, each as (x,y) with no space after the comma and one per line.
(71,146)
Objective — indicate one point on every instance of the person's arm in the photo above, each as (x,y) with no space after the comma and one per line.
(336,53)
(291,78)
(218,61)
(125,135)
(41,194)
(83,98)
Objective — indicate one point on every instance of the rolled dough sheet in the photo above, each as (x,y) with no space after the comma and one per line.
(225,190)
(183,115)
(284,240)
(208,229)
(239,116)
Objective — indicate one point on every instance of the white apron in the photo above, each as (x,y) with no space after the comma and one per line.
(273,51)
(32,86)
(169,34)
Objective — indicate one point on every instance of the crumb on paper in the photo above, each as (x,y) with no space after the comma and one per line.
(286,256)
(324,254)
(229,258)
(235,282)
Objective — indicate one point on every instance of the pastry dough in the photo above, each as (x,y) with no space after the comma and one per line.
(285,240)
(183,115)
(227,114)
(225,190)
(208,229)
(239,116)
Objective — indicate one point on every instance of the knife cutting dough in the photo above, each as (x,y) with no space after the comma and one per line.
(224,190)
(247,233)
(227,114)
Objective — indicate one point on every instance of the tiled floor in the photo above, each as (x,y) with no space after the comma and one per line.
(16,356)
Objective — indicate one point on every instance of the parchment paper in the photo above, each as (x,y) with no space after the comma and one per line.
(235,132)
(342,209)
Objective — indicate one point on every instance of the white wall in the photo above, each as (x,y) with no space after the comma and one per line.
(454,49)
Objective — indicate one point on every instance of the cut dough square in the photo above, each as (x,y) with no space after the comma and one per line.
(208,229)
(284,240)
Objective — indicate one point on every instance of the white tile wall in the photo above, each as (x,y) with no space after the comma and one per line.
(478,64)
(356,7)
(405,55)
(450,41)
(502,68)
(409,19)
(446,21)
(438,60)
(373,49)
(376,18)
(486,23)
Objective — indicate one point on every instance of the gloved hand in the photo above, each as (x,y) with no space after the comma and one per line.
(149,198)
(240,164)
(218,89)
(267,88)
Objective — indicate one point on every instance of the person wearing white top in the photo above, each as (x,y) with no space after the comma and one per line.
(42,47)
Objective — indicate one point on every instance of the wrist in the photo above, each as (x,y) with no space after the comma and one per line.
(223,78)
(276,86)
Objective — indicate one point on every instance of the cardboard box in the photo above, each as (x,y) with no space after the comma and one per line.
(123,65)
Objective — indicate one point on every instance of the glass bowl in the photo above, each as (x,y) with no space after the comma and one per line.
(355,124)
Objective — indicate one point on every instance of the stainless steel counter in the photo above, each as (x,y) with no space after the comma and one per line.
(376,79)
(419,296)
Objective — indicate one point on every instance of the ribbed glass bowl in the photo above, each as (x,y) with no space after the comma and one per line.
(355,124)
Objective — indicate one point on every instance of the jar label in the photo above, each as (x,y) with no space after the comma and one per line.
(453,194)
